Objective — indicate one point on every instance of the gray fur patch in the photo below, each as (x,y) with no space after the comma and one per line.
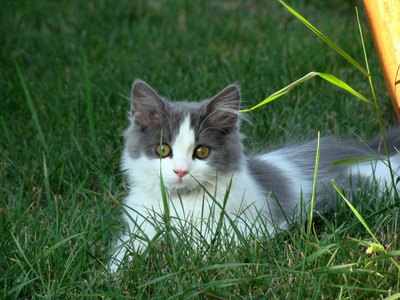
(277,183)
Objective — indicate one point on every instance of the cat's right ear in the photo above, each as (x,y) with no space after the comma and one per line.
(222,109)
(147,106)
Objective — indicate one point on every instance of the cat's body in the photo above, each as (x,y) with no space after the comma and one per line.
(202,155)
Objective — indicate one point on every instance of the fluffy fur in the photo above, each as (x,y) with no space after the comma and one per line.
(257,183)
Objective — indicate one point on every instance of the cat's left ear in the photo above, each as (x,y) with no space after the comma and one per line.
(222,109)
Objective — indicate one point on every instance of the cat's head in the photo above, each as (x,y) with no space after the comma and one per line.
(193,141)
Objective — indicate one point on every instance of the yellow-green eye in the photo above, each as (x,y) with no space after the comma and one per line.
(164,150)
(201,152)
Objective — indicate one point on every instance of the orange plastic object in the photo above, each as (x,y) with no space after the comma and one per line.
(384,22)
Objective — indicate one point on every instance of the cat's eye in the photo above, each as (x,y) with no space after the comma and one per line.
(164,150)
(201,152)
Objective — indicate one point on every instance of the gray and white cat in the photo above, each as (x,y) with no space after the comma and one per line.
(198,148)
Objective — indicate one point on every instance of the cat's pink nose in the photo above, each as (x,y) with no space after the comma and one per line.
(180,173)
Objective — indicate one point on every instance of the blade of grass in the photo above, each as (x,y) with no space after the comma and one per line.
(354,160)
(32,108)
(395,253)
(46,180)
(344,269)
(357,214)
(164,196)
(311,208)
(330,78)
(317,254)
(172,260)
(89,103)
(311,211)
(393,297)
(358,288)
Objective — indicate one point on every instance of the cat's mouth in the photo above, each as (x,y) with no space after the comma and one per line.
(183,190)
(183,186)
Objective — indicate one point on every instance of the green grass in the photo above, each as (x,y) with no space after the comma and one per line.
(66,69)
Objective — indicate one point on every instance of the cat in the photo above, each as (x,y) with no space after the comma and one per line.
(197,149)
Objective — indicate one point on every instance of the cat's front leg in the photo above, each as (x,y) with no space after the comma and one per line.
(139,232)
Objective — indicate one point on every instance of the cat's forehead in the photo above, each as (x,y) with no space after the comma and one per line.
(185,108)
(181,111)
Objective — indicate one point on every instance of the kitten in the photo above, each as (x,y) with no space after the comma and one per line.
(197,148)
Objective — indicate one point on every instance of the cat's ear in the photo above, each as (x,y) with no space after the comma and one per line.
(147,106)
(222,109)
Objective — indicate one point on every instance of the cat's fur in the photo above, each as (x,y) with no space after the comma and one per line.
(256,183)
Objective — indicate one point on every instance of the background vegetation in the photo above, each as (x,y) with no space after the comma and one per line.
(66,70)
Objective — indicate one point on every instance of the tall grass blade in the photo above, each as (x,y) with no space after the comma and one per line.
(32,108)
(167,222)
(311,210)
(349,268)
(325,39)
(330,78)
(356,213)
(164,195)
(354,160)
(89,103)
(317,254)
(393,297)
(46,180)
(359,288)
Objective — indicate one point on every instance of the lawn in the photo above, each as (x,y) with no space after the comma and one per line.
(66,72)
